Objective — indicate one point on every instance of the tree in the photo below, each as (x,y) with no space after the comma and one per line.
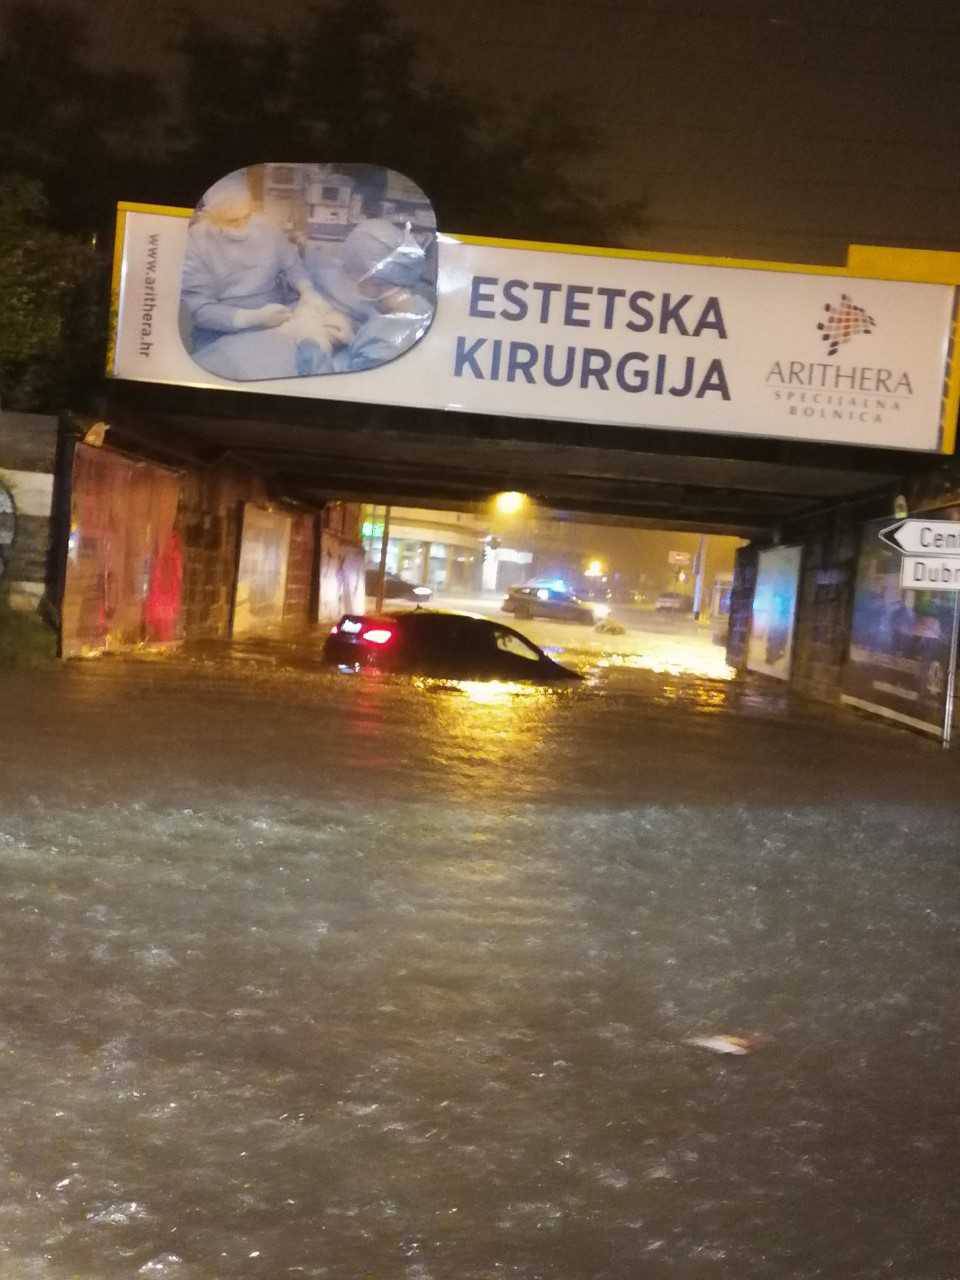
(53,315)
(85,132)
(349,85)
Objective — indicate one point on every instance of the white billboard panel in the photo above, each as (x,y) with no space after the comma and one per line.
(770,649)
(607,338)
(925,573)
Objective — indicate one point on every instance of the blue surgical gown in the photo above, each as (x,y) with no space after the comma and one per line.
(261,354)
(380,335)
(222,276)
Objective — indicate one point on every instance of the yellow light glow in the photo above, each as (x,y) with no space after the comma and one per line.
(489,691)
(676,660)
(509,503)
(594,569)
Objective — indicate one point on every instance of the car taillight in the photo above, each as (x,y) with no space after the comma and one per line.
(378,635)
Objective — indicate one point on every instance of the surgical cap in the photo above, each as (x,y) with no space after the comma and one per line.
(228,192)
(377,250)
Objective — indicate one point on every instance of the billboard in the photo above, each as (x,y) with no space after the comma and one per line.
(774,612)
(898,663)
(301,270)
(596,336)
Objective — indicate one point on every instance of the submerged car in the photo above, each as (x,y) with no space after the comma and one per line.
(673,602)
(395,588)
(532,601)
(455,646)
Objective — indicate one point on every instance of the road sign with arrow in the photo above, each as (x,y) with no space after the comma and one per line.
(930,551)
(923,537)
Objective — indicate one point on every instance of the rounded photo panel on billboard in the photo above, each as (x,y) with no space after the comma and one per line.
(302,270)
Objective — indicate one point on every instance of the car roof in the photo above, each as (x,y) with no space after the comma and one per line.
(546,586)
(407,615)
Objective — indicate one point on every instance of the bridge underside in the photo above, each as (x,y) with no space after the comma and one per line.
(314,451)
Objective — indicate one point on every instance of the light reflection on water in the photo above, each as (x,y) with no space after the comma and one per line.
(678,660)
(485,692)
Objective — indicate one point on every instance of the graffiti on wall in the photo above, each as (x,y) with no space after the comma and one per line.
(8,527)
(124,578)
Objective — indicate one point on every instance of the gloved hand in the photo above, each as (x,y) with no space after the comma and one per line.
(315,320)
(267,317)
(338,328)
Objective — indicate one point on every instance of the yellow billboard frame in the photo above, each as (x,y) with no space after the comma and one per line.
(871,262)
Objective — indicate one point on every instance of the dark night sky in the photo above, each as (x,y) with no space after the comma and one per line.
(783,129)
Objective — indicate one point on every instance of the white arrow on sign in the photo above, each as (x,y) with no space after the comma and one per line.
(923,537)
(930,573)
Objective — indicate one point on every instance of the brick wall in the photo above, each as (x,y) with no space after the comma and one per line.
(821,638)
(209,521)
(825,602)
(298,604)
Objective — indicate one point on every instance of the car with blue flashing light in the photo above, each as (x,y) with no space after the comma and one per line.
(552,600)
(454,646)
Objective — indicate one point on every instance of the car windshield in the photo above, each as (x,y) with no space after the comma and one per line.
(511,642)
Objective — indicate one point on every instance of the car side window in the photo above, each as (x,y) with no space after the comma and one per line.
(507,642)
(442,636)
(424,633)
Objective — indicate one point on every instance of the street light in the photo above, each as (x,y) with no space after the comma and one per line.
(594,569)
(509,503)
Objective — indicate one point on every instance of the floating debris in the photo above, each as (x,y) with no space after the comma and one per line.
(727,1044)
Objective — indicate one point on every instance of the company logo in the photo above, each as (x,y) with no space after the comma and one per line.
(843,323)
(864,394)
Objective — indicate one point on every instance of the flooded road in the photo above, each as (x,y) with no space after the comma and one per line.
(307,975)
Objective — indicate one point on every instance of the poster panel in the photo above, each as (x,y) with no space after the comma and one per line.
(610,337)
(262,573)
(774,611)
(124,572)
(899,658)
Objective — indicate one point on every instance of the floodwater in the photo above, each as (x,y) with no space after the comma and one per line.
(310,975)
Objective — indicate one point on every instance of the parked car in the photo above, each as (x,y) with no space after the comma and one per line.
(456,646)
(673,602)
(395,588)
(532,601)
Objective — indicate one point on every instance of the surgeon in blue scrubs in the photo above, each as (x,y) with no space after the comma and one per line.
(378,282)
(241,277)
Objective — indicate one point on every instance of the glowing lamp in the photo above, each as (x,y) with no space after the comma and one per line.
(509,503)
